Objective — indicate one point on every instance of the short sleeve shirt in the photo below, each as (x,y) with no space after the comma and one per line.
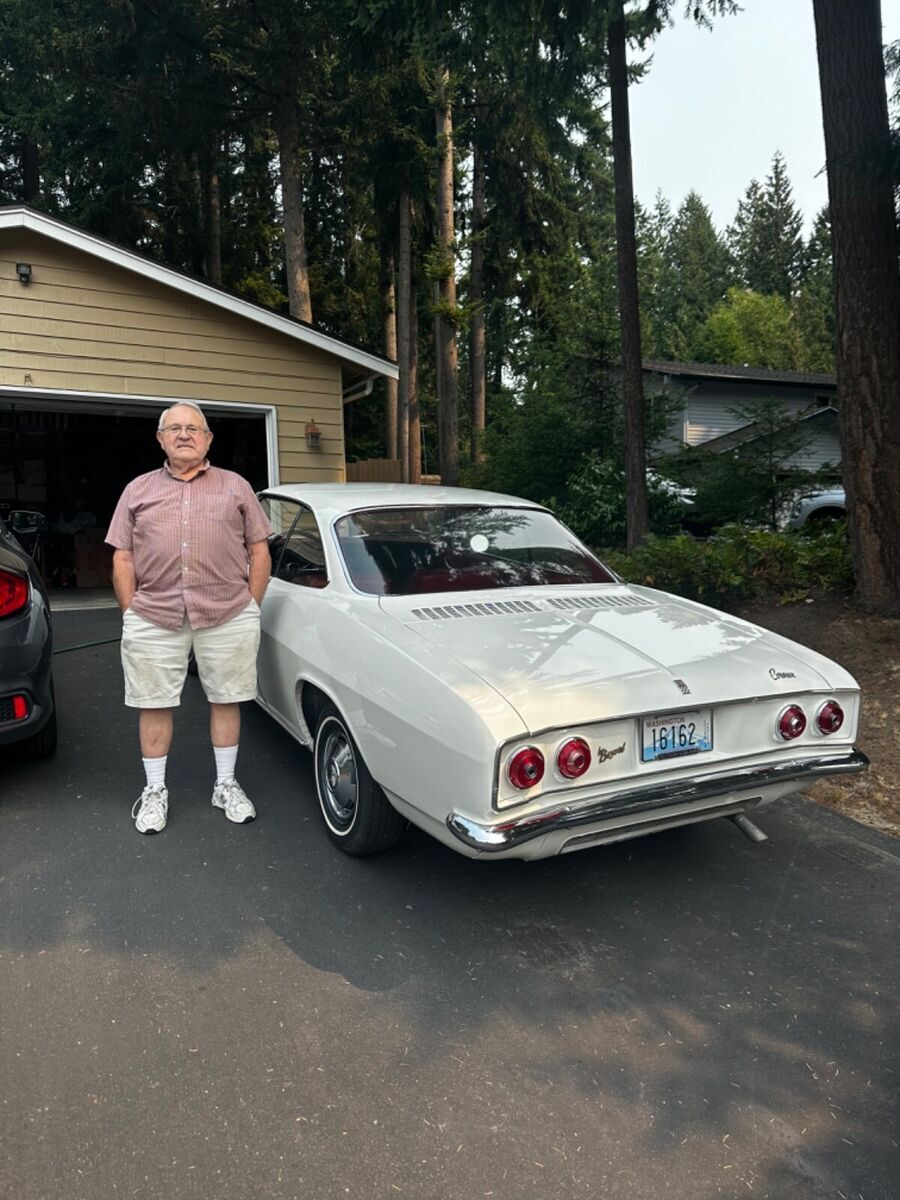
(190,541)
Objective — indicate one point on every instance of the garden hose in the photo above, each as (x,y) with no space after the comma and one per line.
(85,645)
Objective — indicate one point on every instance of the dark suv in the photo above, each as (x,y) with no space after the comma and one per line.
(27,705)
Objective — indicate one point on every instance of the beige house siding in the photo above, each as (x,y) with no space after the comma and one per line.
(87,326)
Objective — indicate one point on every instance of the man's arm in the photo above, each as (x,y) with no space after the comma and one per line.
(260,570)
(123,577)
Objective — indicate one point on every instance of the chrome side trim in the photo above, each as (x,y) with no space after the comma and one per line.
(503,835)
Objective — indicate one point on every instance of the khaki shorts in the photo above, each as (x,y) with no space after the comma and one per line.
(155,660)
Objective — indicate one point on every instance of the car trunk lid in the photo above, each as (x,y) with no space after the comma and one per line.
(561,656)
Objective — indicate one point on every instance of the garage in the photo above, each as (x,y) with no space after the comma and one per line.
(70,462)
(96,341)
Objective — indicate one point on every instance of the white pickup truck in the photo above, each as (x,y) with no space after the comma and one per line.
(819,506)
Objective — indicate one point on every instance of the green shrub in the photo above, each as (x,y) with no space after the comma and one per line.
(739,564)
(595,508)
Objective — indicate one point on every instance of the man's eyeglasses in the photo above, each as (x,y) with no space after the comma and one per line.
(193,430)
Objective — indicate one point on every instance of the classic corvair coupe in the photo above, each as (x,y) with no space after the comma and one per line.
(458,659)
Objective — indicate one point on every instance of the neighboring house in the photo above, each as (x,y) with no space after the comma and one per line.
(708,395)
(96,340)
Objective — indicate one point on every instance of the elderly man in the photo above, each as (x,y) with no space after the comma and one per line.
(190,569)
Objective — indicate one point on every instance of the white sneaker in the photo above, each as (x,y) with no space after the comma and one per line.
(232,797)
(151,808)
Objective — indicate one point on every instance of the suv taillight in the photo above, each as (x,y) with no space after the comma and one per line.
(13,593)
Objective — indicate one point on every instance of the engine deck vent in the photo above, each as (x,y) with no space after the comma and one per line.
(492,608)
(495,608)
(569,602)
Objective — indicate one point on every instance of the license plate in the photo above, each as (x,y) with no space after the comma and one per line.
(676,735)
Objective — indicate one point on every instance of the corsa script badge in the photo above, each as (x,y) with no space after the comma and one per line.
(781,674)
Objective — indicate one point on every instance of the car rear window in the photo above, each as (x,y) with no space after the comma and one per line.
(417,551)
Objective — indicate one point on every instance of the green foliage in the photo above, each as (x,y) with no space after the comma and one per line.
(738,565)
(595,507)
(813,306)
(747,329)
(687,276)
(530,447)
(765,239)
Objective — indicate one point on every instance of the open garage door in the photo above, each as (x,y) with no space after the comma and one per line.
(70,460)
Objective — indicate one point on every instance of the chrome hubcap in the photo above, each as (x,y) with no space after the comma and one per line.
(338,773)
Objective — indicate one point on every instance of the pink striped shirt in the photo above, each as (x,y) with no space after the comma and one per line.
(190,540)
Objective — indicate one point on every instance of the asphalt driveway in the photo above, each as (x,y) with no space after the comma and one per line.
(242,1012)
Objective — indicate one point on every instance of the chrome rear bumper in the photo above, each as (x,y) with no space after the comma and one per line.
(506,834)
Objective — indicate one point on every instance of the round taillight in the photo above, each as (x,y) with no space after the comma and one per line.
(791,722)
(526,768)
(574,758)
(13,593)
(830,717)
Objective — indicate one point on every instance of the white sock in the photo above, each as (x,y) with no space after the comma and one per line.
(226,757)
(155,769)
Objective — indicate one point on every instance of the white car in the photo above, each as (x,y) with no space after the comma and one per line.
(459,660)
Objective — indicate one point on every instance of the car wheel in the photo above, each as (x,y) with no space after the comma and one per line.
(358,817)
(43,743)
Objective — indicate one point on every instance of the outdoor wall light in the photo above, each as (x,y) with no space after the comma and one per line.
(23,270)
(313,435)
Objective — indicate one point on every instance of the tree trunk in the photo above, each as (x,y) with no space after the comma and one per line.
(404,321)
(287,131)
(446,349)
(196,218)
(476,354)
(31,177)
(415,428)
(437,336)
(867,289)
(214,216)
(389,325)
(637,524)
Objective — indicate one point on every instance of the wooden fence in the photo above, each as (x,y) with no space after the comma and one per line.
(381,470)
(374,470)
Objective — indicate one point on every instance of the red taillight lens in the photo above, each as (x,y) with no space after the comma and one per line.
(13,593)
(20,708)
(830,717)
(574,758)
(526,768)
(791,722)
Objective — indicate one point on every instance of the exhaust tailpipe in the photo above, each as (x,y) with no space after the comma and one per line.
(746,826)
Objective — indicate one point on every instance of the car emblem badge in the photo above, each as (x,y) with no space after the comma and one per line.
(682,687)
(781,674)
(604,755)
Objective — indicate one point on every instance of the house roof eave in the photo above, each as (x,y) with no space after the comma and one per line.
(20,216)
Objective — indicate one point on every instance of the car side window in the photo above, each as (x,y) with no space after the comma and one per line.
(282,514)
(303,557)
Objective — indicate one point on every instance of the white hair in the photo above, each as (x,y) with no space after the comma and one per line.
(182,404)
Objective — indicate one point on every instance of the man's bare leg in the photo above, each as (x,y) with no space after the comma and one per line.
(225,724)
(156,732)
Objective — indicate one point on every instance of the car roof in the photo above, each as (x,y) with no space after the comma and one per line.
(335,499)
